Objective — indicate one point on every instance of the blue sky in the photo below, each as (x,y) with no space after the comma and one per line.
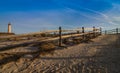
(35,15)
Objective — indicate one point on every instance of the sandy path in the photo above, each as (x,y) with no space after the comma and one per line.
(99,56)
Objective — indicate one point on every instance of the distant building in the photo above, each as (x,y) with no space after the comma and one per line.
(9,32)
(9,28)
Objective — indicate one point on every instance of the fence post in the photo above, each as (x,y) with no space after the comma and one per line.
(60,36)
(116,30)
(94,34)
(54,34)
(105,32)
(83,31)
(100,30)
(78,32)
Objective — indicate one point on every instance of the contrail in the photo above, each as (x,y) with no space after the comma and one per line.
(105,16)
(96,12)
(107,19)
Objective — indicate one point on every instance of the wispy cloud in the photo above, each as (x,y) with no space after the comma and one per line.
(107,18)
(104,18)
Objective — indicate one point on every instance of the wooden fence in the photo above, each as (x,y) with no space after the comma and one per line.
(50,33)
(92,31)
(113,31)
(59,35)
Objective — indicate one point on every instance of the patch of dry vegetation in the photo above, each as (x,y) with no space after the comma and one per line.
(46,46)
(6,58)
(2,56)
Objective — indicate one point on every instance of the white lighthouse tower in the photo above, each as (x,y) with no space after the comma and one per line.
(9,28)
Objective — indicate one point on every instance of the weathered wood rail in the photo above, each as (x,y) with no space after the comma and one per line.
(94,32)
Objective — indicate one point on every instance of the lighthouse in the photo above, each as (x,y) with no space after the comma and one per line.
(9,28)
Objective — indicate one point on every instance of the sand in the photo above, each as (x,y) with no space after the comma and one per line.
(100,55)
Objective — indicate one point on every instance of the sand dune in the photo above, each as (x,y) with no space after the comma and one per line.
(101,55)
